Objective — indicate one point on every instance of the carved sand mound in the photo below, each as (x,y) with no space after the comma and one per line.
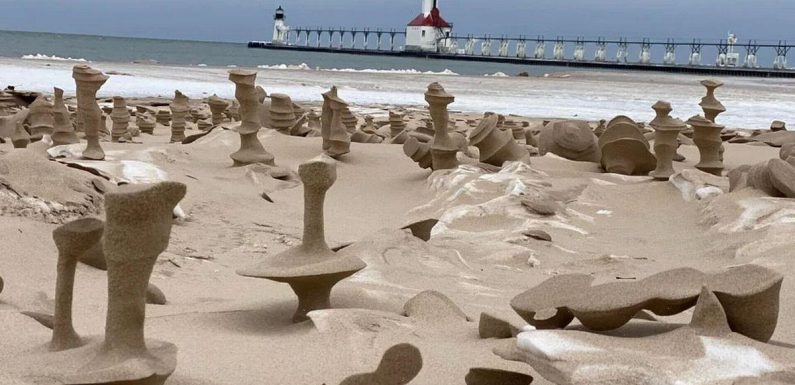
(625,150)
(570,139)
(749,293)
(32,186)
(705,352)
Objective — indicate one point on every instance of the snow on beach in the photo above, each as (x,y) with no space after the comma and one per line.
(751,103)
(40,56)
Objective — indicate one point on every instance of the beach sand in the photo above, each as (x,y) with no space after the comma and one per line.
(235,330)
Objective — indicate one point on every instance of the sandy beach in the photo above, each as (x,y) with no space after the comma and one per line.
(235,330)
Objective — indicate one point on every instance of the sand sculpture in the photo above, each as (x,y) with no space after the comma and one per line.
(778,125)
(496,146)
(89,81)
(775,178)
(336,140)
(313,123)
(515,129)
(217,108)
(711,106)
(251,149)
(63,131)
(600,128)
(137,230)
(145,120)
(233,112)
(666,134)
(486,376)
(40,117)
(163,116)
(625,150)
(570,139)
(349,120)
(367,133)
(399,365)
(282,115)
(120,117)
(369,125)
(179,111)
(418,152)
(20,138)
(443,148)
(749,293)
(311,269)
(397,126)
(72,240)
(703,352)
(427,127)
(706,136)
(9,123)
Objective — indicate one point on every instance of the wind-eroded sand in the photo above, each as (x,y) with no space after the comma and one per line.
(235,330)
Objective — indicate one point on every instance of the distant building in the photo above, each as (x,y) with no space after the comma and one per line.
(280,29)
(429,32)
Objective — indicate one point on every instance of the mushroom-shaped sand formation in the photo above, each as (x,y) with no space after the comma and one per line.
(311,269)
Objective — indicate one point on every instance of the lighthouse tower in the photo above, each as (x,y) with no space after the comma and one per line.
(280,29)
(429,32)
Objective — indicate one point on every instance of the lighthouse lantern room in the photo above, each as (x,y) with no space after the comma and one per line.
(429,32)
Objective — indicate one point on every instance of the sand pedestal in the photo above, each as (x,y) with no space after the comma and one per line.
(443,148)
(40,117)
(251,149)
(72,240)
(336,140)
(496,146)
(282,114)
(179,113)
(625,150)
(63,131)
(706,136)
(120,117)
(163,117)
(217,108)
(711,106)
(666,134)
(89,81)
(311,269)
(20,138)
(138,227)
(397,125)
(145,120)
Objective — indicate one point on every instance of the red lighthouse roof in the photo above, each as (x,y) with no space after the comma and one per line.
(434,19)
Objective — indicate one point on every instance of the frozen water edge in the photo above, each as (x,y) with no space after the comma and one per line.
(751,103)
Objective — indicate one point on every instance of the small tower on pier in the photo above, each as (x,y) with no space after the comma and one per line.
(429,32)
(280,29)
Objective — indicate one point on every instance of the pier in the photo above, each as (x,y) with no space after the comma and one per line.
(430,36)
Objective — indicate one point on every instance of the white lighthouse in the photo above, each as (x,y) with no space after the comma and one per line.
(280,29)
(429,32)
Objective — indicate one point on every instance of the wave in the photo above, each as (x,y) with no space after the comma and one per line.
(306,67)
(39,56)
(497,75)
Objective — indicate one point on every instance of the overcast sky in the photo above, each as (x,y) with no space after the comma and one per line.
(243,20)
